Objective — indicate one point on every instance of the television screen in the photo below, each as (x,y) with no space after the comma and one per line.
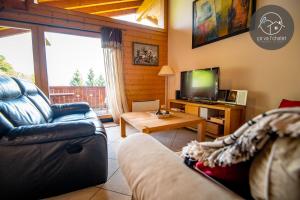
(202,84)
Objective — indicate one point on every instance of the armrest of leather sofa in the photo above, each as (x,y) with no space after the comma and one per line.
(70,108)
(36,134)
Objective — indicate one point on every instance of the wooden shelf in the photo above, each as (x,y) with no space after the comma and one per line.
(212,135)
(234,115)
(215,122)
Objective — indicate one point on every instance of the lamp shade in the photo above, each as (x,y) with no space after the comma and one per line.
(166,71)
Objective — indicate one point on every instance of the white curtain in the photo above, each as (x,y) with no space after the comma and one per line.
(113,65)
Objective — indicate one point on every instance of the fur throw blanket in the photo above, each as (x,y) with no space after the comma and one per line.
(247,140)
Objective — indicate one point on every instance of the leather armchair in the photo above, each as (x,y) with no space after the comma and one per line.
(47,149)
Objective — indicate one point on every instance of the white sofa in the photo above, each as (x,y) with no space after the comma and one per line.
(154,172)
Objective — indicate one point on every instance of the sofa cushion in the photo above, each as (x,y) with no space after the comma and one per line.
(288,103)
(21,112)
(16,109)
(89,116)
(234,177)
(236,173)
(274,173)
(37,97)
(9,89)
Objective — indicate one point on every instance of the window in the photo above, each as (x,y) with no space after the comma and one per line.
(16,56)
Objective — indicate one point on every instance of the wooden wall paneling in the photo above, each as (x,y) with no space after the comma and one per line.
(141,82)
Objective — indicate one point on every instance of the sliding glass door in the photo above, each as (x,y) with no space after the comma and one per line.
(66,64)
(75,69)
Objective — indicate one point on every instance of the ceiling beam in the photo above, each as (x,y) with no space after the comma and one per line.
(74,4)
(110,7)
(44,1)
(113,11)
(103,4)
(118,13)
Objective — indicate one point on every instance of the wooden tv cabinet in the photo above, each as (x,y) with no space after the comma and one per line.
(233,116)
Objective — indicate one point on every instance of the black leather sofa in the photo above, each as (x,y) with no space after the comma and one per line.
(47,149)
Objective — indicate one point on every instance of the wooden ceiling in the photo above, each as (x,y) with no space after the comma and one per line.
(108,8)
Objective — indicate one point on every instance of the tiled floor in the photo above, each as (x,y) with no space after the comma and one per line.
(116,187)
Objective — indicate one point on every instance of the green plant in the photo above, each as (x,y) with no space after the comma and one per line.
(76,79)
(100,81)
(91,78)
(5,66)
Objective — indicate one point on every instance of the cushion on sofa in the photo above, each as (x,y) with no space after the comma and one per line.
(36,97)
(9,89)
(234,177)
(89,116)
(15,107)
(237,173)
(274,173)
(288,103)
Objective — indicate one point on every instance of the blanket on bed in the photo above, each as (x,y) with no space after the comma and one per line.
(247,140)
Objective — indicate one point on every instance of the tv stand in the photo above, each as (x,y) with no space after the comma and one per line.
(200,101)
(205,102)
(232,116)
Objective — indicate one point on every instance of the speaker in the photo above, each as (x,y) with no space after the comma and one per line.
(177,94)
(238,97)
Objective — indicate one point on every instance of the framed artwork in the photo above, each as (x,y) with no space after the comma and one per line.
(232,96)
(214,20)
(145,54)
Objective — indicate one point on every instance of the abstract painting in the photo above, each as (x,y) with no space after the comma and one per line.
(214,20)
(145,54)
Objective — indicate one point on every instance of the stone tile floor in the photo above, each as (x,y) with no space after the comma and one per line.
(116,188)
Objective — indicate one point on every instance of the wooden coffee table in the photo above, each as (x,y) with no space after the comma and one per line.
(147,122)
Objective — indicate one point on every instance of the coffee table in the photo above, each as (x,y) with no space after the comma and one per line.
(147,122)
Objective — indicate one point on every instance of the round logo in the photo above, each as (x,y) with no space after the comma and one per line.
(271,27)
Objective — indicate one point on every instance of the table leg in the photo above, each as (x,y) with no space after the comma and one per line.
(123,127)
(201,131)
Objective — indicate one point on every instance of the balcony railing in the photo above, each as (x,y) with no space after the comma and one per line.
(95,96)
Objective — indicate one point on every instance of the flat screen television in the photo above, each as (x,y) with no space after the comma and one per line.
(200,84)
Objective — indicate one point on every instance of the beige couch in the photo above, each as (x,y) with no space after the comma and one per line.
(154,172)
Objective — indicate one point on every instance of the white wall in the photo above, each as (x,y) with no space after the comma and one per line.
(268,75)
